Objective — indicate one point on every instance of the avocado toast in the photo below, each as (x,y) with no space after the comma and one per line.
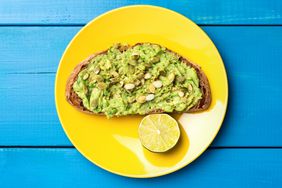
(141,79)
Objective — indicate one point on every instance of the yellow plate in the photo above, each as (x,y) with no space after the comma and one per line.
(113,144)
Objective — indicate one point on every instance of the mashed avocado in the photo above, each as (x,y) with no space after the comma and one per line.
(138,80)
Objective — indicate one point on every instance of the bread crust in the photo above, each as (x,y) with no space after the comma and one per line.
(75,101)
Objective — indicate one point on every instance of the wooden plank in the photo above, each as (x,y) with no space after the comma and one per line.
(80,12)
(67,168)
(28,115)
(33,49)
(39,49)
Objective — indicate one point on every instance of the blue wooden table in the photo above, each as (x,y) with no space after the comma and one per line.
(35,152)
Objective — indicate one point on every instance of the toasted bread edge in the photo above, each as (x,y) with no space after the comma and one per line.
(75,101)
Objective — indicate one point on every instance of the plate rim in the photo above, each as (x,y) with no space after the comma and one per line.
(221,63)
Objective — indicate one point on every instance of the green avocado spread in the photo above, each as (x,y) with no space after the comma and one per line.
(137,80)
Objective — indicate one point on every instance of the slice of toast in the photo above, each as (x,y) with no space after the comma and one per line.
(74,100)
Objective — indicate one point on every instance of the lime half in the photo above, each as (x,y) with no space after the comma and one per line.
(158,132)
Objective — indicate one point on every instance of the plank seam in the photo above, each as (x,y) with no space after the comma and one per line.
(36,147)
(72,147)
(12,73)
(81,25)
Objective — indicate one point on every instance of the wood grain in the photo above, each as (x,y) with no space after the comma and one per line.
(39,49)
(28,113)
(252,57)
(33,49)
(80,12)
(67,168)
(29,58)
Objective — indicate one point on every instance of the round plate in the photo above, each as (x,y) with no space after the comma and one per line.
(113,144)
